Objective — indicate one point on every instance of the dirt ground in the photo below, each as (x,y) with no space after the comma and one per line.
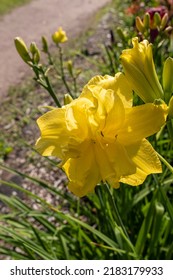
(31,21)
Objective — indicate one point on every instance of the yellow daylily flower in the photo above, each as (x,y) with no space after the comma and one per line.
(59,36)
(100,136)
(140,71)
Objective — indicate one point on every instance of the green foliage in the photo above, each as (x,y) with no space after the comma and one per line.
(8,5)
(128,223)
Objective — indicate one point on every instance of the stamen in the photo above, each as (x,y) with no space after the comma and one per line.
(101,133)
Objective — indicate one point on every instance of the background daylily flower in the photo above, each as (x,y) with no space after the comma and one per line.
(158,20)
(100,136)
(140,71)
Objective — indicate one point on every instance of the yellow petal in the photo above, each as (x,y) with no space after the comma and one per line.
(82,172)
(140,71)
(118,84)
(114,120)
(63,131)
(141,122)
(53,133)
(123,89)
(107,114)
(76,119)
(113,162)
(146,160)
(110,108)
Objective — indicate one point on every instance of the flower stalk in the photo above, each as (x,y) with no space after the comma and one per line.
(63,77)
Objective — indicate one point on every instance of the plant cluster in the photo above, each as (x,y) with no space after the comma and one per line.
(120,200)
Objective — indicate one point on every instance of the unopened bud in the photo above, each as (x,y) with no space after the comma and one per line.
(44,44)
(167,77)
(157,19)
(139,24)
(70,67)
(22,49)
(36,57)
(33,48)
(67,99)
(164,21)
(35,52)
(146,21)
(168,29)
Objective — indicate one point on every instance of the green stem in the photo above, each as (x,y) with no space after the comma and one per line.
(120,222)
(62,70)
(167,203)
(115,208)
(50,58)
(51,91)
(39,70)
(75,84)
(170,129)
(165,162)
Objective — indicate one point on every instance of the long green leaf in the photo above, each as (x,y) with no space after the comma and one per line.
(28,243)
(99,234)
(167,202)
(145,228)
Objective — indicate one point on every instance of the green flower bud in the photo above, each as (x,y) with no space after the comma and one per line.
(67,99)
(70,67)
(139,24)
(22,49)
(35,52)
(33,48)
(167,78)
(44,44)
(36,57)
(164,21)
(157,19)
(168,30)
(146,21)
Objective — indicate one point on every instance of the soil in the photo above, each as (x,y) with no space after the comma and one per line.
(31,21)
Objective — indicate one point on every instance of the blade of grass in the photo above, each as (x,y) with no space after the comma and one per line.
(167,202)
(94,231)
(28,243)
(145,228)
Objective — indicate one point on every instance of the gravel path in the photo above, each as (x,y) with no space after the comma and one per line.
(40,17)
